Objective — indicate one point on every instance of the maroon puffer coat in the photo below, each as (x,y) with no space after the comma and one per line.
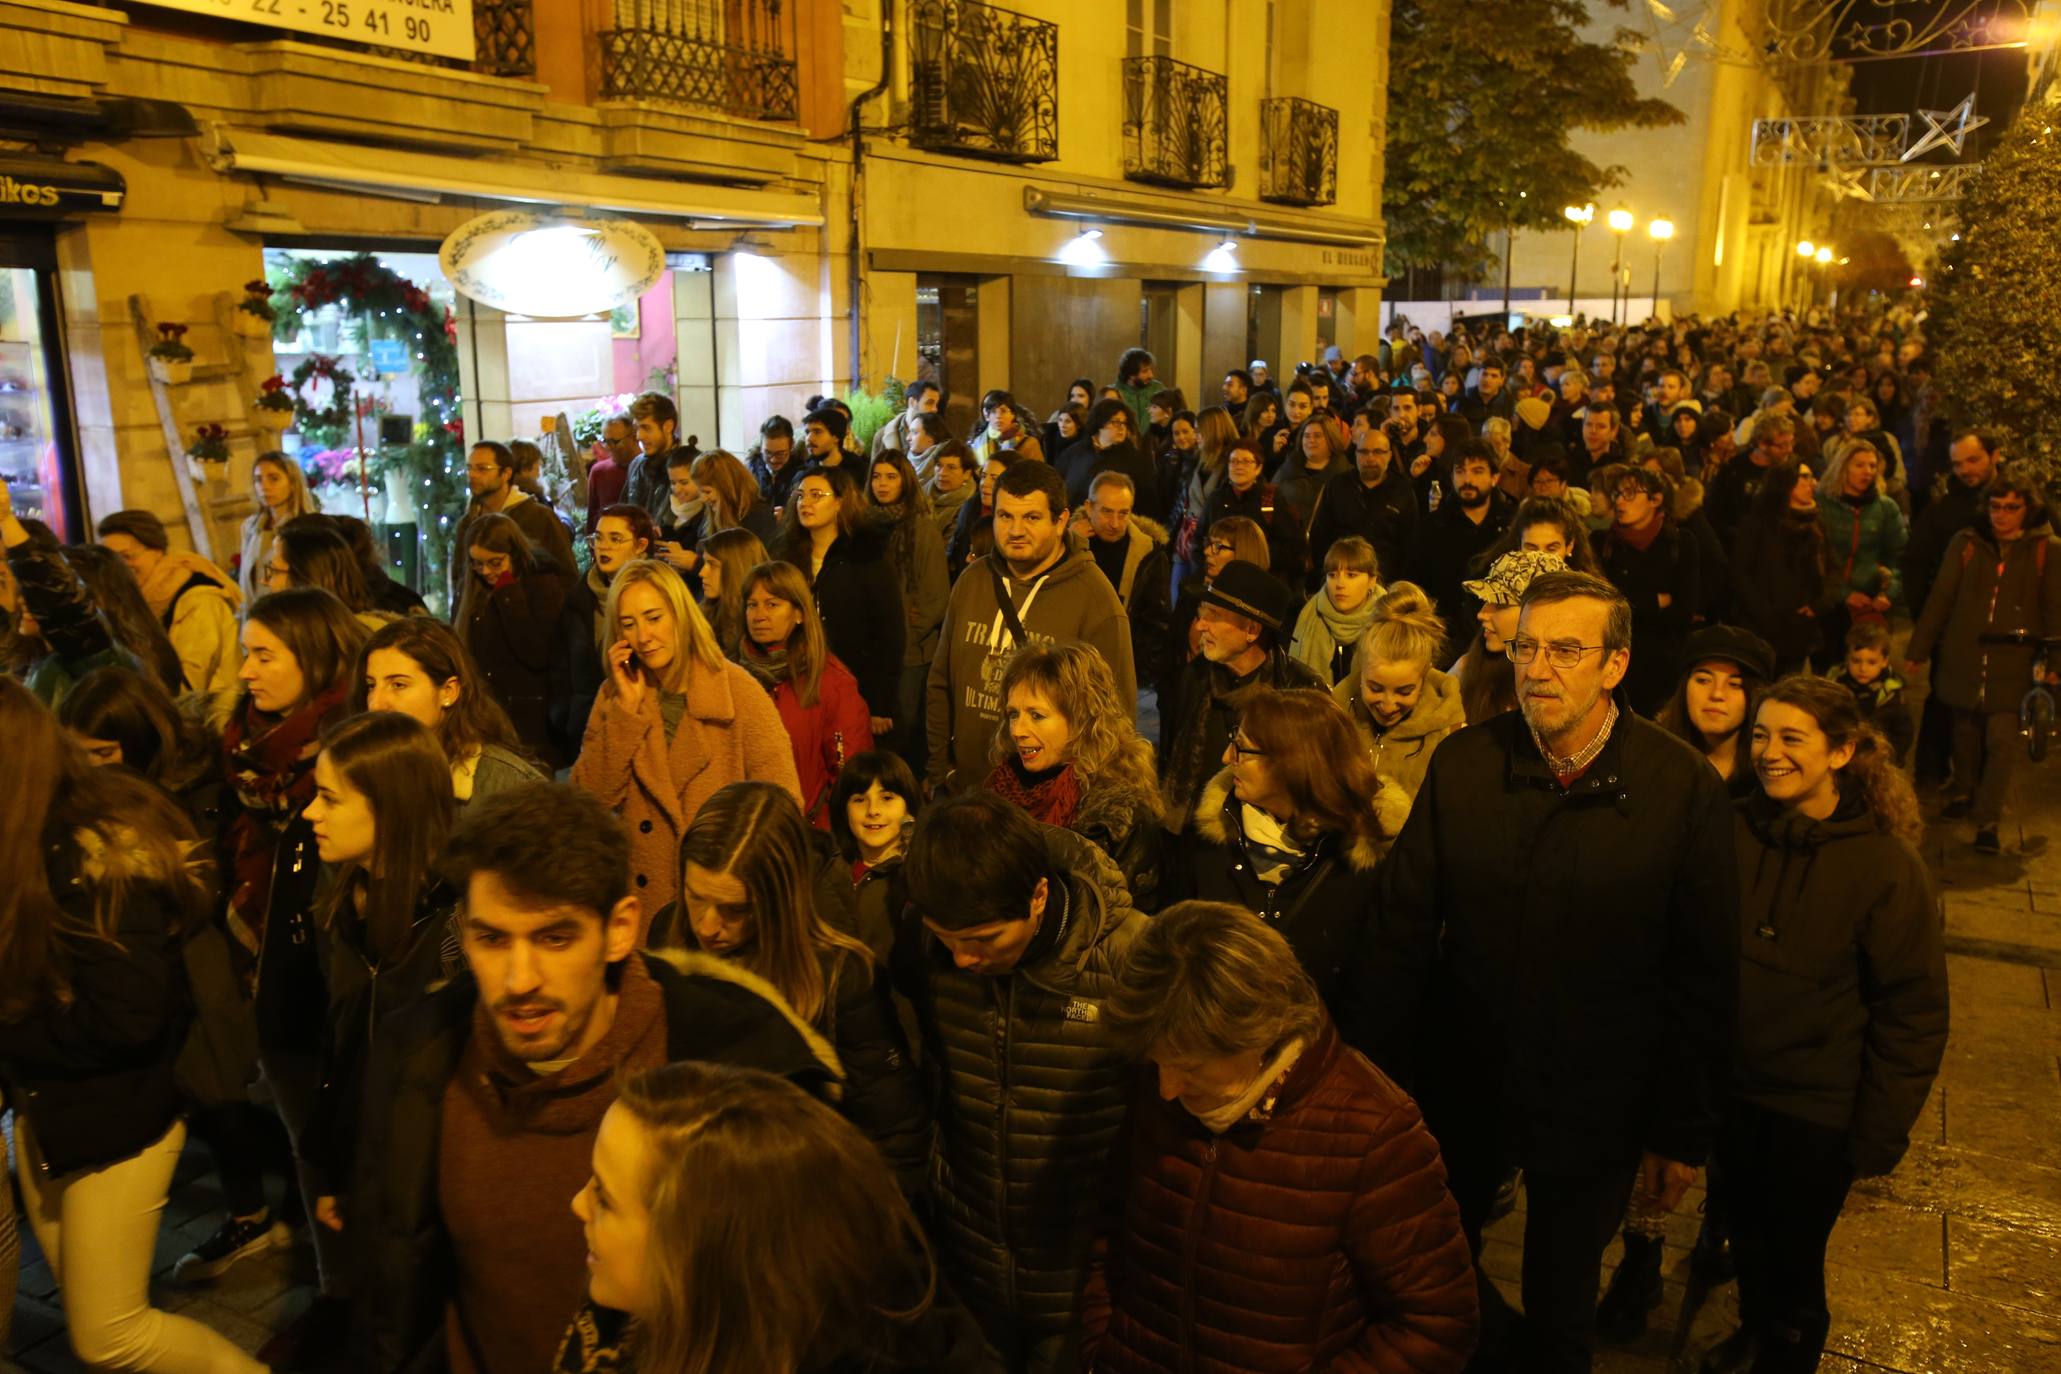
(1322,1238)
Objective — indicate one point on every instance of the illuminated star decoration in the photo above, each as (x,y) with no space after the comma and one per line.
(1843,182)
(1937,134)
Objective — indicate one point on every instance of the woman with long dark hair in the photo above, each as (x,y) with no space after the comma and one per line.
(299,648)
(726,558)
(380,818)
(98,885)
(1215,432)
(511,619)
(55,633)
(852,576)
(122,717)
(1842,1007)
(420,668)
(753,891)
(1068,752)
(1725,671)
(1109,440)
(737,1226)
(918,553)
(307,551)
(1780,577)
(817,696)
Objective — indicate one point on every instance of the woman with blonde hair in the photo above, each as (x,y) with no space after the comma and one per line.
(674,722)
(735,1225)
(1215,431)
(732,495)
(1292,829)
(282,493)
(1402,706)
(761,891)
(726,559)
(1333,621)
(817,696)
(1069,753)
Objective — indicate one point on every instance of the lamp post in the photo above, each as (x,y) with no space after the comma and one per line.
(1579,216)
(1806,250)
(1823,258)
(1621,220)
(1660,231)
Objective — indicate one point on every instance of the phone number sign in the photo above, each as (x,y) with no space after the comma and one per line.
(442,28)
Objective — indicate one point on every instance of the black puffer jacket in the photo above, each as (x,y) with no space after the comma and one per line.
(1842,976)
(1570,954)
(1029,1093)
(95,1078)
(860,598)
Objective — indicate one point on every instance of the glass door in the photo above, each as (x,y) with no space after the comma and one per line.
(36,450)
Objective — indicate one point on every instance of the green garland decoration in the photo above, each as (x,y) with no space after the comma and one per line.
(392,307)
(334,416)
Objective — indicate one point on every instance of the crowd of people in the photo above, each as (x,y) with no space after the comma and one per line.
(1134,891)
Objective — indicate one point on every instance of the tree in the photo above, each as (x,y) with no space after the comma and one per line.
(1481,99)
(1995,304)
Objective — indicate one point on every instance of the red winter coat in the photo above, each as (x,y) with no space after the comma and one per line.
(838,727)
(1322,1238)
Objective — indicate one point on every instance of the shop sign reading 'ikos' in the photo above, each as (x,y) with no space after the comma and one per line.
(440,27)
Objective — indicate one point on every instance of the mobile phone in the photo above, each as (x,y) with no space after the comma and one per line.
(631,665)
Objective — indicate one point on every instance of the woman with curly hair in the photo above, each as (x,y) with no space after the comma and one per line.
(1069,753)
(1842,1006)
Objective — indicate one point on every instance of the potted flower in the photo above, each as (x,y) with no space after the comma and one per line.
(170,359)
(210,449)
(254,313)
(272,412)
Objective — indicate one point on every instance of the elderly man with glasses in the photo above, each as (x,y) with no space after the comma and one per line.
(1553,963)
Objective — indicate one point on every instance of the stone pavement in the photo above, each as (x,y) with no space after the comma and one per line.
(1952,1265)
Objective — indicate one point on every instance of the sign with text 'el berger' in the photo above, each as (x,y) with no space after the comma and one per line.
(439,27)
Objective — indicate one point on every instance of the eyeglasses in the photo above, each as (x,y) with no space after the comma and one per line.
(1559,653)
(610,541)
(1218,546)
(1242,750)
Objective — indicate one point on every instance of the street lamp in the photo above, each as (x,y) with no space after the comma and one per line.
(1660,231)
(1621,220)
(1579,216)
(1805,248)
(1822,256)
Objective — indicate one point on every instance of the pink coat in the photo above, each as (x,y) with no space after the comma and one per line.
(731,733)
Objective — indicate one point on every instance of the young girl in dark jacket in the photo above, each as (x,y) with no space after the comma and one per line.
(381,813)
(1842,1007)
(872,814)
(509,619)
(99,880)
(750,893)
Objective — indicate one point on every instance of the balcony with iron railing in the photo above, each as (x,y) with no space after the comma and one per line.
(1298,152)
(735,56)
(1175,117)
(984,81)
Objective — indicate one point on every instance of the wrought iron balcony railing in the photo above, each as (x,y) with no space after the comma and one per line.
(1298,152)
(506,38)
(985,81)
(736,56)
(1174,121)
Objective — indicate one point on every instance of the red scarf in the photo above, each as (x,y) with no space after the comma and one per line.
(272,771)
(1051,798)
(1641,538)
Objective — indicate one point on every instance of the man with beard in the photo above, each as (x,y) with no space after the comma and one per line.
(1569,1005)
(490,475)
(1471,518)
(1034,586)
(1244,626)
(490,1091)
(1374,499)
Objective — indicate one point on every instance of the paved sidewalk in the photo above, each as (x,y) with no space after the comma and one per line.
(1952,1265)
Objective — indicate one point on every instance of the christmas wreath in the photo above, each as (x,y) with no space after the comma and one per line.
(337,413)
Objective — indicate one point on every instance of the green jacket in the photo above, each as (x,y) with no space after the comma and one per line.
(1139,399)
(1864,545)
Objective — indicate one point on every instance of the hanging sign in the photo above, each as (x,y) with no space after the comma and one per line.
(389,356)
(549,266)
(34,187)
(442,28)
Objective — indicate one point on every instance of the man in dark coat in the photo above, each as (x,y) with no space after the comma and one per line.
(491,1091)
(1472,517)
(1738,482)
(1957,506)
(1556,941)
(1023,929)
(1244,625)
(1487,398)
(1375,500)
(1132,553)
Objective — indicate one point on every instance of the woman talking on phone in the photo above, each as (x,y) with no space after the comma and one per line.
(674,722)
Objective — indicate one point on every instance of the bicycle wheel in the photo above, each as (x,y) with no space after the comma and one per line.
(2036,722)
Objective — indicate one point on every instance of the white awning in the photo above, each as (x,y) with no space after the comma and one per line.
(428,174)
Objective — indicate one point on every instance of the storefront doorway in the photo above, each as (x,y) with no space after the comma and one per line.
(38,445)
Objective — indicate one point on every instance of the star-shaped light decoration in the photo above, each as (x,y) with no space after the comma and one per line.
(1963,121)
(1844,182)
